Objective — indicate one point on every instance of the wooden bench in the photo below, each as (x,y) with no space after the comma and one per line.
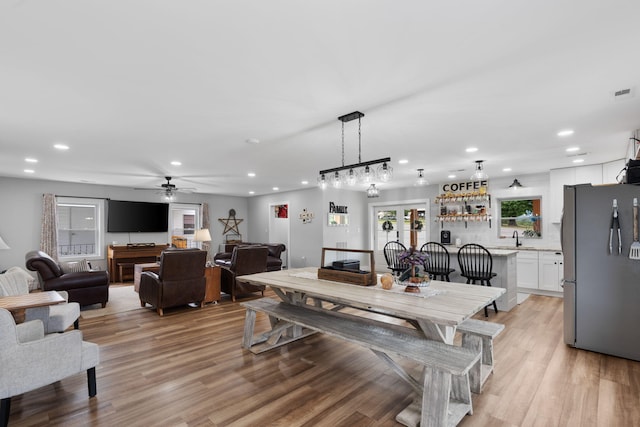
(478,335)
(445,389)
(125,270)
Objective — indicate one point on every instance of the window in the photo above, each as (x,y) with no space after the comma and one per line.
(522,216)
(80,227)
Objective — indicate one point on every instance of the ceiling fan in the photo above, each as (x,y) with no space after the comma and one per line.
(168,190)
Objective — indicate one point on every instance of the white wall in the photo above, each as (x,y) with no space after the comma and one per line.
(20,215)
(22,206)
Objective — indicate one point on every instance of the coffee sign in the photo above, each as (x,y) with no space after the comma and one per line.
(465,186)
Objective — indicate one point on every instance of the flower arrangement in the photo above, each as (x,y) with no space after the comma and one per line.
(413,258)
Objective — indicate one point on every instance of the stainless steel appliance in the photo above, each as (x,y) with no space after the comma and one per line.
(601,283)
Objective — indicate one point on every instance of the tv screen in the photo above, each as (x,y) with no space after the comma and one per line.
(137,217)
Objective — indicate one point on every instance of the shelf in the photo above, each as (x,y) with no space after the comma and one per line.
(465,197)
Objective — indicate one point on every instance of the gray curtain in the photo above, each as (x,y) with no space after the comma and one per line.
(206,224)
(49,227)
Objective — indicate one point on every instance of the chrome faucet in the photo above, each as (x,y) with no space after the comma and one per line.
(515,235)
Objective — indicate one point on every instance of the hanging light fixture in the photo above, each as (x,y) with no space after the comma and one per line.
(361,172)
(479,174)
(372,191)
(421,179)
(516,184)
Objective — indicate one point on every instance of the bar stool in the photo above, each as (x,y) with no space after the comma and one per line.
(437,263)
(392,251)
(476,265)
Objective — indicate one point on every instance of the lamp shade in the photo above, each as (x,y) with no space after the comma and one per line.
(202,235)
(3,245)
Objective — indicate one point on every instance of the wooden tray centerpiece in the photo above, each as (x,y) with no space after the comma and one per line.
(354,277)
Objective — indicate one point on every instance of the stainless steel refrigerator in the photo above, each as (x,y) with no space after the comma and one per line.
(601,284)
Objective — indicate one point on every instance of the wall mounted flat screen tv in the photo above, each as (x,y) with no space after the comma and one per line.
(137,217)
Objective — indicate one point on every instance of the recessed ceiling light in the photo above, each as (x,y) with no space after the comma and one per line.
(61,147)
(506,170)
(471,149)
(29,171)
(176,163)
(572,149)
(31,160)
(305,182)
(451,176)
(252,141)
(251,174)
(252,192)
(403,161)
(275,188)
(566,132)
(578,161)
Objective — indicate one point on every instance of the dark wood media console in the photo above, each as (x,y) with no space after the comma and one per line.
(123,258)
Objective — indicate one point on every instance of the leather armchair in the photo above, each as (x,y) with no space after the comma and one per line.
(30,360)
(83,287)
(244,260)
(180,280)
(274,260)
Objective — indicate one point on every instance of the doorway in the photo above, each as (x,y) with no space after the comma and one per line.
(279,228)
(183,221)
(391,222)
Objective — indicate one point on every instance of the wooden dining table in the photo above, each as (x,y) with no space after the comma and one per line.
(436,311)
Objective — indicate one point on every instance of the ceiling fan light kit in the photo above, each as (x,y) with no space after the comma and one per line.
(361,172)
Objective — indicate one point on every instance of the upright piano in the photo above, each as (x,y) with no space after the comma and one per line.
(122,258)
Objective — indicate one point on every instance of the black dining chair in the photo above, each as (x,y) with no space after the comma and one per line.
(476,265)
(392,251)
(437,263)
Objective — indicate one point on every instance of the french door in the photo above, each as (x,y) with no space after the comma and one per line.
(393,223)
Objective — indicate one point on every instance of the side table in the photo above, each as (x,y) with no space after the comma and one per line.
(212,275)
(139,268)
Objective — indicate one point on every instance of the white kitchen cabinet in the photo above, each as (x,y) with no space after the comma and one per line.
(527,269)
(550,271)
(558,178)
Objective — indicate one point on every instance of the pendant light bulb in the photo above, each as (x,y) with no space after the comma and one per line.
(479,174)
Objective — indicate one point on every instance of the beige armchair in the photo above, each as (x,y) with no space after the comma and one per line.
(55,318)
(30,360)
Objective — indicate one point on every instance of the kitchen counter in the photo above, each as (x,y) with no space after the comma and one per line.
(504,265)
(525,248)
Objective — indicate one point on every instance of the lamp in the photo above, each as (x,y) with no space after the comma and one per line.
(3,245)
(479,174)
(372,191)
(362,172)
(203,236)
(421,179)
(516,184)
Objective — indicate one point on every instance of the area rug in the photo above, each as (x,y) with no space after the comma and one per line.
(121,298)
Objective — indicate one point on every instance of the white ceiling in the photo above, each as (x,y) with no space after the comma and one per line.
(132,85)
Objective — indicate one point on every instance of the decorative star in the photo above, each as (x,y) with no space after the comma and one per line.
(231,223)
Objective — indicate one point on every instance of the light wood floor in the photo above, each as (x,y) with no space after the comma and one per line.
(187,369)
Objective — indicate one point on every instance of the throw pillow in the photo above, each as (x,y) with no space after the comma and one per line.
(75,266)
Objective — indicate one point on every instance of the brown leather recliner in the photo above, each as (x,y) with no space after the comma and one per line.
(274,261)
(244,260)
(180,280)
(83,287)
